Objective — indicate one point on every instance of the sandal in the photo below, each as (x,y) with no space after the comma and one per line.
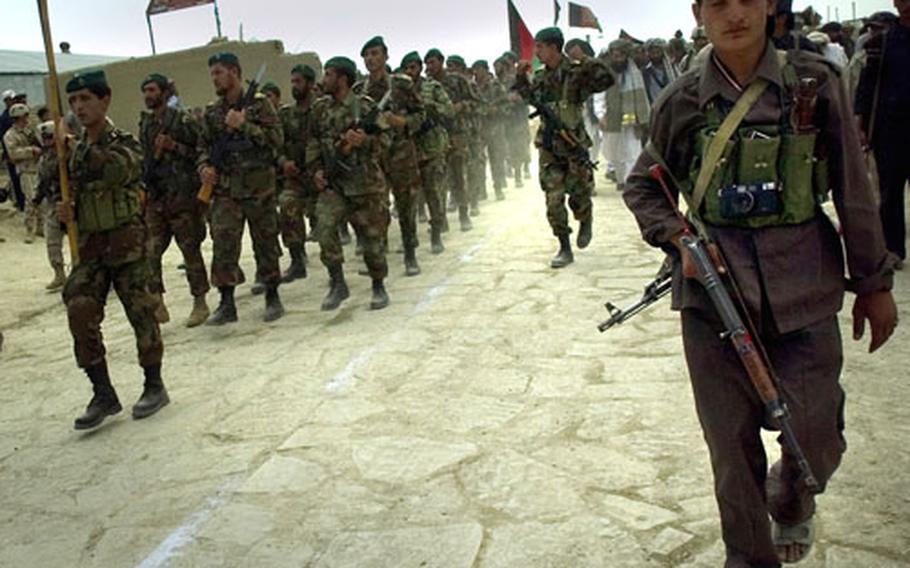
(802,535)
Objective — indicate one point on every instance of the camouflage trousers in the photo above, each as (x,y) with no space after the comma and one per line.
(54,233)
(405,182)
(477,170)
(85,295)
(29,184)
(495,141)
(295,203)
(518,137)
(457,167)
(176,217)
(433,181)
(369,214)
(229,216)
(561,177)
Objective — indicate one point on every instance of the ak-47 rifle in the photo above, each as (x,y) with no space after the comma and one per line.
(229,142)
(370,123)
(554,126)
(654,291)
(748,347)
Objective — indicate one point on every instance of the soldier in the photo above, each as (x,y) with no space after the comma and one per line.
(24,149)
(404,114)
(476,165)
(783,252)
(49,190)
(432,144)
(105,166)
(298,196)
(493,96)
(346,160)
(170,139)
(272,92)
(462,96)
(517,127)
(564,87)
(248,140)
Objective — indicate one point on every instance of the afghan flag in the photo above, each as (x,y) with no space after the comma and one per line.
(522,40)
(162,6)
(582,17)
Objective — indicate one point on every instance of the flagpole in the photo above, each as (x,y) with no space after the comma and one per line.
(217,18)
(148,19)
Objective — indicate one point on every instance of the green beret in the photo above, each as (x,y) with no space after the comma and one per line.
(270,87)
(482,63)
(304,70)
(457,60)
(434,53)
(585,46)
(156,78)
(342,63)
(550,35)
(511,55)
(375,42)
(412,57)
(86,79)
(224,58)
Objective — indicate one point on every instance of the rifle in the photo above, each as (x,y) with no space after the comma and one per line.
(229,142)
(654,291)
(748,348)
(553,125)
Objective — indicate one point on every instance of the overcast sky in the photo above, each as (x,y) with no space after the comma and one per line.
(472,28)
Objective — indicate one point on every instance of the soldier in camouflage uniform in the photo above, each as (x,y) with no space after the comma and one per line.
(475,165)
(564,86)
(24,149)
(105,166)
(404,114)
(247,142)
(170,140)
(463,102)
(348,176)
(49,190)
(272,92)
(495,103)
(432,144)
(297,192)
(518,128)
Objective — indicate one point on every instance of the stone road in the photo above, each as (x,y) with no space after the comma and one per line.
(481,421)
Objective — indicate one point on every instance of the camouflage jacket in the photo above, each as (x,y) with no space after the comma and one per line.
(460,91)
(245,159)
(433,138)
(495,100)
(295,122)
(19,146)
(406,103)
(360,171)
(373,89)
(565,89)
(48,176)
(175,170)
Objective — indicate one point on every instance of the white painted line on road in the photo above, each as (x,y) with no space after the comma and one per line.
(346,375)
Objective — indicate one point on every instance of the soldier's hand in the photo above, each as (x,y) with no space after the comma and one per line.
(319,180)
(880,310)
(235,119)
(209,176)
(394,120)
(524,67)
(36,151)
(355,138)
(290,169)
(65,212)
(163,143)
(689,269)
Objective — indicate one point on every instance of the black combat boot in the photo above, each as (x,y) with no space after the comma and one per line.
(584,233)
(465,219)
(273,308)
(297,269)
(564,257)
(226,311)
(411,268)
(380,297)
(258,288)
(338,292)
(154,395)
(104,403)
(436,246)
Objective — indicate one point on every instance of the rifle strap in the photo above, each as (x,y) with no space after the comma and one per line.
(719,142)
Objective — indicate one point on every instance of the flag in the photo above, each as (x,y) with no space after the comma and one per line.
(582,17)
(522,40)
(162,6)
(557,9)
(623,34)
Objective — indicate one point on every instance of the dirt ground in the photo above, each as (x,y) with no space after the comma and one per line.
(480,421)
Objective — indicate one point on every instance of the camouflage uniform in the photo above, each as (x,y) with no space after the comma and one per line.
(356,185)
(433,147)
(517,131)
(460,91)
(495,105)
(171,181)
(245,191)
(49,192)
(565,89)
(113,247)
(19,146)
(298,196)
